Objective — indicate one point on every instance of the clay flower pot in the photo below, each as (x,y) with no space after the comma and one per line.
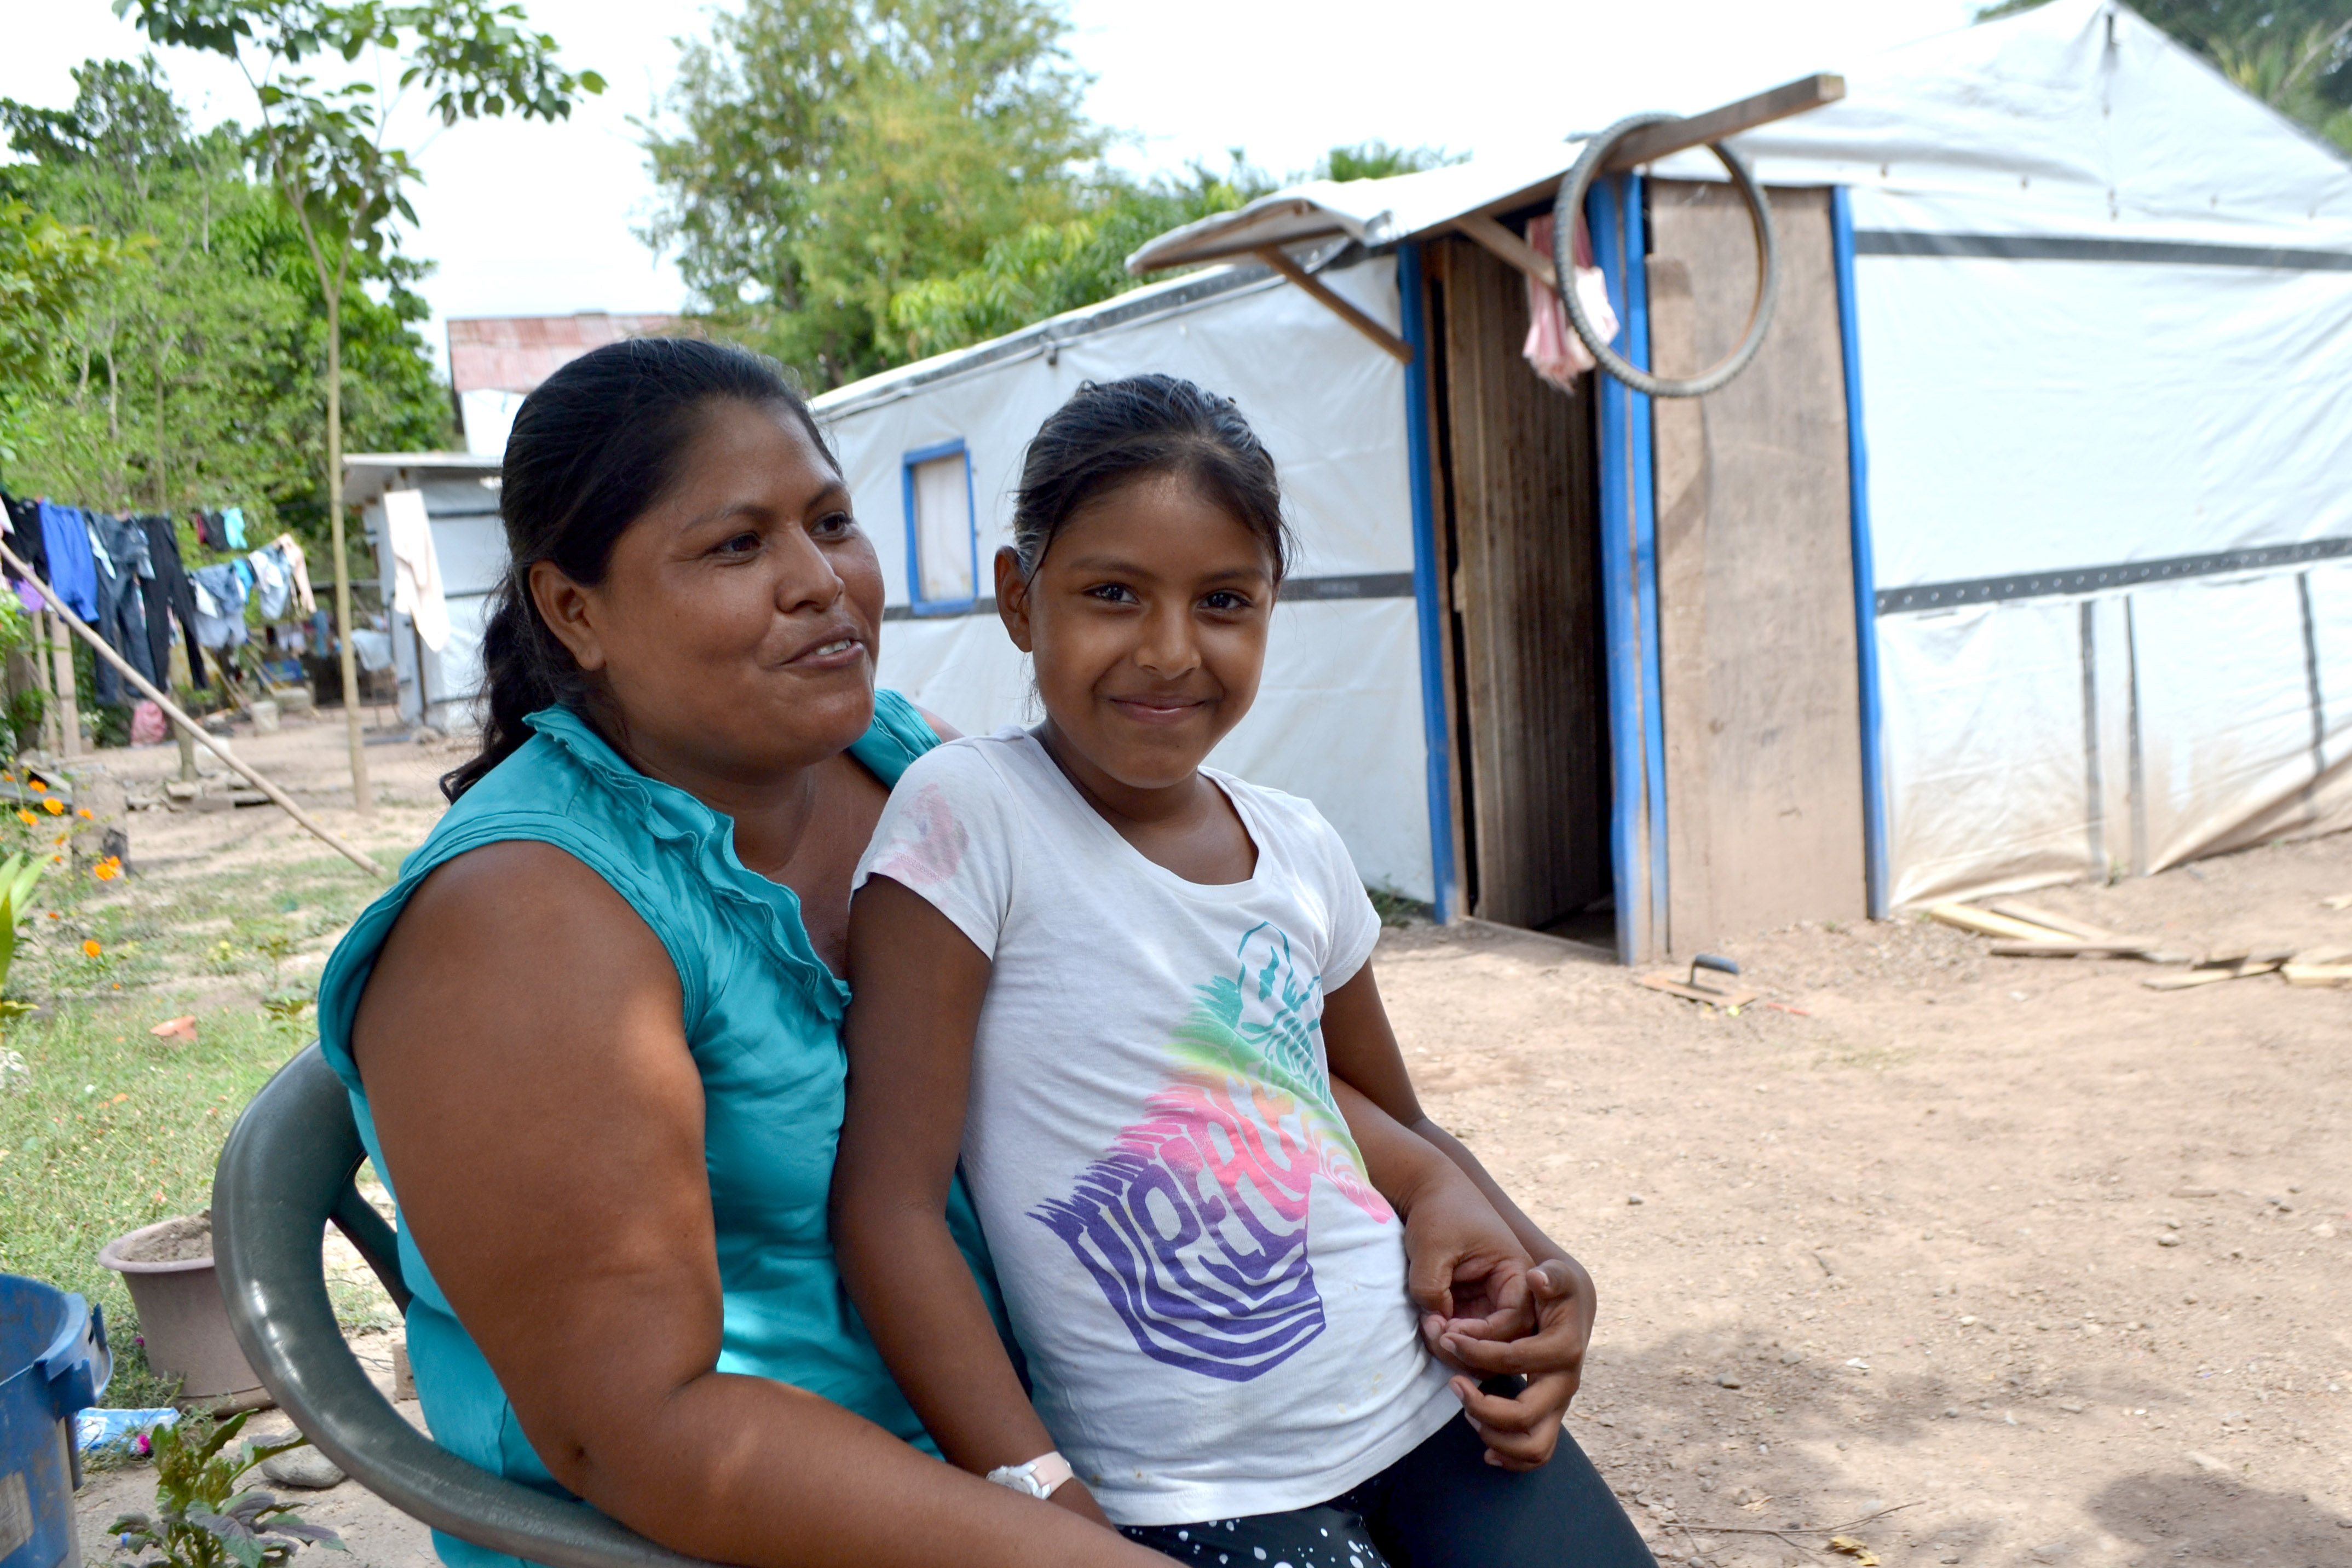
(169,1268)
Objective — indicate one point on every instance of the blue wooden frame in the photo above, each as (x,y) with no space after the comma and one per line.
(907,464)
(1629,583)
(1437,733)
(1866,576)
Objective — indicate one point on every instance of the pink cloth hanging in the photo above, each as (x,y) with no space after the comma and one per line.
(1555,351)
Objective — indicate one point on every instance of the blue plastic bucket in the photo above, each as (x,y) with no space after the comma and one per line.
(53,1362)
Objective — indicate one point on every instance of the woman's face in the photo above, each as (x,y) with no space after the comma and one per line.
(735,631)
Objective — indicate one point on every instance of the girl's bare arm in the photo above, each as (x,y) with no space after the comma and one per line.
(1519,1431)
(918,982)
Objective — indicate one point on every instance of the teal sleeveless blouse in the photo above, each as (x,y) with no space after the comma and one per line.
(762,1016)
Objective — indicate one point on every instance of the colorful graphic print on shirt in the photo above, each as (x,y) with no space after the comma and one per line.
(1195,1221)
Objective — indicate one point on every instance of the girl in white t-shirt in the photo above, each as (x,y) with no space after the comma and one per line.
(1131,997)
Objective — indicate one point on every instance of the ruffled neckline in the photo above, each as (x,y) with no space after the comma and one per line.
(707,840)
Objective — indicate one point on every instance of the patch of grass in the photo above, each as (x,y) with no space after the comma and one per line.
(1396,912)
(116,1130)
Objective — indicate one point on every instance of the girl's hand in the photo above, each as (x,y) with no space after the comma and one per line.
(1463,1267)
(1520,1432)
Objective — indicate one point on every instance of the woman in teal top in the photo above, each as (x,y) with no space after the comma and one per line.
(591,1034)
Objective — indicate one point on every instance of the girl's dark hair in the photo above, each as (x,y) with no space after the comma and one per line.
(597,444)
(1111,432)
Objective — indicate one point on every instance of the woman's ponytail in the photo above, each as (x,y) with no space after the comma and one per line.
(593,447)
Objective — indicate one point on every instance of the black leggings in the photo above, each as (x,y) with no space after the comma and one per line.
(1441,1506)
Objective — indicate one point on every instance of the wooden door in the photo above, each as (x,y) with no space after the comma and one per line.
(1519,502)
(1756,601)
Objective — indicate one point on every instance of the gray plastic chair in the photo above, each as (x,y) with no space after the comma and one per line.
(288,1170)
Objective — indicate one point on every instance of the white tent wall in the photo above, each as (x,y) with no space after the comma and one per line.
(1338,718)
(2104,304)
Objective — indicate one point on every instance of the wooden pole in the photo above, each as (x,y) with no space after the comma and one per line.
(61,660)
(363,796)
(188,726)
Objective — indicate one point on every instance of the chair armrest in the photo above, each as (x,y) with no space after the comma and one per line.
(284,1174)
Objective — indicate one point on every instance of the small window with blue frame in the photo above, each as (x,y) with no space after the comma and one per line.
(943,535)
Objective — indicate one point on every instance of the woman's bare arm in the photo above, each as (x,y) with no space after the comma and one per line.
(542,1121)
(919,984)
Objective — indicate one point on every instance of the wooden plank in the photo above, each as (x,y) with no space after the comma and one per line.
(2034,914)
(1678,440)
(1988,924)
(2214,973)
(1516,468)
(1511,248)
(1778,684)
(1655,142)
(1273,257)
(2122,947)
(1689,993)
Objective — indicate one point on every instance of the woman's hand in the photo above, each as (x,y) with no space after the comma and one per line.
(1521,1431)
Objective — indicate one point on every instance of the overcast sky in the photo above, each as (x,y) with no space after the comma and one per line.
(536,219)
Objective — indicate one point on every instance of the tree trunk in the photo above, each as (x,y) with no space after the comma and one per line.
(362,797)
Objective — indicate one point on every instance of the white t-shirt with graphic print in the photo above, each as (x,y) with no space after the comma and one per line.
(1210,1293)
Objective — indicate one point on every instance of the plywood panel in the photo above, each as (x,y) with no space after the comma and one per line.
(1756,589)
(1518,469)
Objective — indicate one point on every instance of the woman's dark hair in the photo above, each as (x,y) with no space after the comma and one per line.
(597,444)
(1111,432)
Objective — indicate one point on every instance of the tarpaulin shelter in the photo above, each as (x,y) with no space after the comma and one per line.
(2020,553)
(460,494)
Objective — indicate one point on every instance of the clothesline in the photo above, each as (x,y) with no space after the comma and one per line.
(122,573)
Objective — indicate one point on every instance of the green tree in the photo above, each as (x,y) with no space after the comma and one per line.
(1378,161)
(2293,55)
(817,157)
(324,147)
(47,268)
(187,376)
(1046,268)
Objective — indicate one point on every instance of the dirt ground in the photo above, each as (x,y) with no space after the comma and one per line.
(2029,1262)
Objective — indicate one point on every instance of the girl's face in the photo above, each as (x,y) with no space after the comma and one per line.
(735,628)
(1148,621)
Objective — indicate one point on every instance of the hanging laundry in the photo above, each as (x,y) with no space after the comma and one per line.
(65,540)
(416,567)
(270,584)
(232,521)
(220,606)
(297,570)
(1552,348)
(119,549)
(169,594)
(22,519)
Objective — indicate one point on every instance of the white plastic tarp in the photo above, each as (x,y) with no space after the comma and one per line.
(2035,406)
(1337,717)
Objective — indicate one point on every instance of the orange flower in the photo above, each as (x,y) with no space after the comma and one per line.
(54,807)
(55,916)
(85,814)
(90,949)
(37,784)
(108,868)
(27,818)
